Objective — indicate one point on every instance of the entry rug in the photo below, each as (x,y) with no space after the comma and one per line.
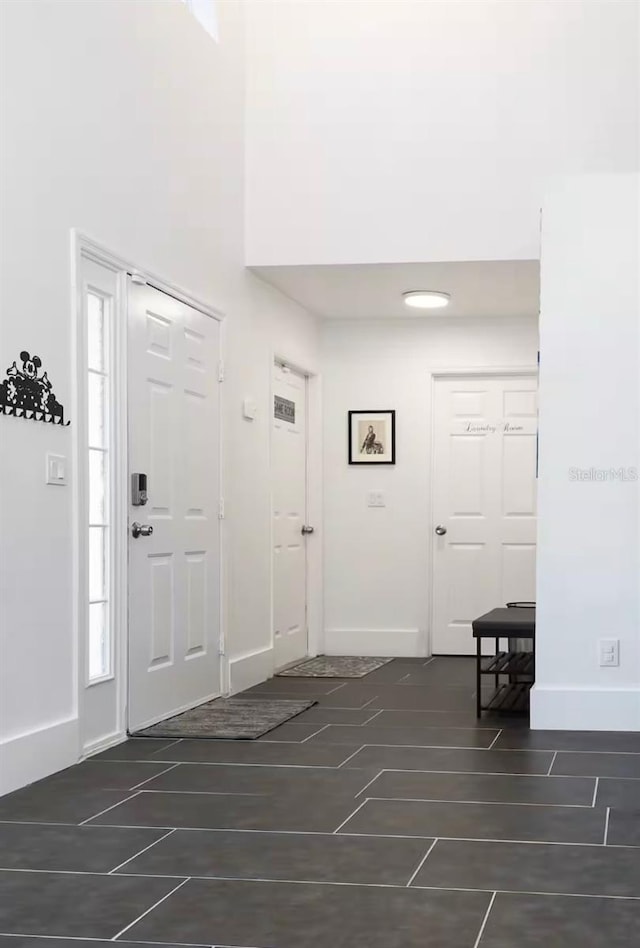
(334,666)
(233,719)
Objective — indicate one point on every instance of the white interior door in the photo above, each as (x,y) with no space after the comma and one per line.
(289,506)
(174,574)
(484,499)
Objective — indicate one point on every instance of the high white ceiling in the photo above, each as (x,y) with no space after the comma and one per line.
(374,291)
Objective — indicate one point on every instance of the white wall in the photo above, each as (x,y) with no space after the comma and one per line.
(126,121)
(377,560)
(405,130)
(588,564)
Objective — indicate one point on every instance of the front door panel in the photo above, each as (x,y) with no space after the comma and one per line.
(174,424)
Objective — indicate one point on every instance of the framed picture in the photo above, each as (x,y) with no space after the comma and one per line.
(372,437)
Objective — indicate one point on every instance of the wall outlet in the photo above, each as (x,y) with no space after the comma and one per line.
(609,651)
(375,498)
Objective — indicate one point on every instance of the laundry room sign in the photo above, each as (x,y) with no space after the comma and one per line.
(520,426)
(284,409)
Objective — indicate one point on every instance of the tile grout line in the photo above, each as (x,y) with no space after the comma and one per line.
(344,822)
(564,806)
(394,727)
(336,767)
(350,757)
(553,760)
(595,791)
(149,779)
(451,747)
(210,793)
(564,895)
(422,862)
(96,874)
(237,763)
(426,727)
(369,720)
(431,727)
(490,747)
(274,832)
(356,885)
(363,706)
(606,826)
(366,787)
(102,941)
(484,921)
(318,882)
(319,731)
(178,740)
(484,773)
(46,938)
(112,807)
(333,690)
(344,885)
(146,849)
(154,906)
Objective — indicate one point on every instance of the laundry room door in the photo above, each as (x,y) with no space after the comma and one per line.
(484,502)
(174,538)
(290,530)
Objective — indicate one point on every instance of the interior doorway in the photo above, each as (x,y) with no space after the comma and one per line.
(290,529)
(174,485)
(484,501)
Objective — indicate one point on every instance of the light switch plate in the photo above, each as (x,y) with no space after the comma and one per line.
(375,498)
(56,470)
(609,651)
(249,409)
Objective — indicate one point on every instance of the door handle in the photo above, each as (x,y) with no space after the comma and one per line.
(138,530)
(307,531)
(440,530)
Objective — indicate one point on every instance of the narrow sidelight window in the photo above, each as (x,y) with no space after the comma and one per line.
(98,401)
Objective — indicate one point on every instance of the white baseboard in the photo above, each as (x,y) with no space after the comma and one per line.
(585,709)
(392,643)
(245,671)
(104,743)
(37,754)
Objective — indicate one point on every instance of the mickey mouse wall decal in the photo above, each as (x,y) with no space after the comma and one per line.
(25,394)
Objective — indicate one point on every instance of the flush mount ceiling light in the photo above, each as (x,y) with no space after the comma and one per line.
(426,299)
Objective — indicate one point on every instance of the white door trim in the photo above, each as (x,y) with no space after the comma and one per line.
(85,247)
(315,617)
(471,372)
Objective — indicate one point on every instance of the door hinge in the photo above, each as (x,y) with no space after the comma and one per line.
(221,648)
(221,370)
(221,509)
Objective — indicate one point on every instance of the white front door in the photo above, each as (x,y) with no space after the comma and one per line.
(484,503)
(289,506)
(174,573)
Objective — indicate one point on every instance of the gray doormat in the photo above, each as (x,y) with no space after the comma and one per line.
(233,719)
(334,666)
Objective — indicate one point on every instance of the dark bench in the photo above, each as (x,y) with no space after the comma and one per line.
(515,622)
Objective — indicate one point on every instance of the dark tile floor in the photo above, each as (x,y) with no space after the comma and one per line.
(384,817)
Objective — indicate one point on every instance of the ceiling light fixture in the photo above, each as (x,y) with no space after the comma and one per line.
(426,299)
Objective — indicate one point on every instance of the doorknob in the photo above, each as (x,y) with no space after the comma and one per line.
(306,531)
(440,530)
(138,530)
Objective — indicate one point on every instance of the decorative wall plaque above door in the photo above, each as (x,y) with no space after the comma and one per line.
(25,393)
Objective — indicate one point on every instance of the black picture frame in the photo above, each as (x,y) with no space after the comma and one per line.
(357,454)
